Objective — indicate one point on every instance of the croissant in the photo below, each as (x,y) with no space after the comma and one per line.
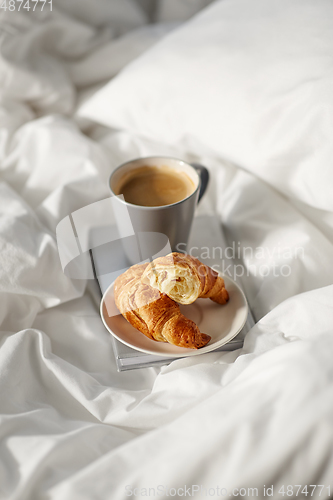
(184,279)
(154,314)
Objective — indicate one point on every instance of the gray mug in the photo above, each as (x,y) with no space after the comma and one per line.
(159,229)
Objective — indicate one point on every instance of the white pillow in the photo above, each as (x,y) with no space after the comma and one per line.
(251,80)
(178,10)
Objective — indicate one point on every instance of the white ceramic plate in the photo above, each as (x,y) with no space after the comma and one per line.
(222,323)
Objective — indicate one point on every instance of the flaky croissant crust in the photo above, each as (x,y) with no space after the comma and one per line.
(184,279)
(154,314)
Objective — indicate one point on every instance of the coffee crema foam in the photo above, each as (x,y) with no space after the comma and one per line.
(153,186)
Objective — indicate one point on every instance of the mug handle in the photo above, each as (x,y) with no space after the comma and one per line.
(204,178)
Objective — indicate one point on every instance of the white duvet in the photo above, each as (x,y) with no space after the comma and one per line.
(246,423)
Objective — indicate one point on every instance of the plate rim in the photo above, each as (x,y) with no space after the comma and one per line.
(192,352)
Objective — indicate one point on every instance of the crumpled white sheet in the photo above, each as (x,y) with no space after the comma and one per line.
(71,426)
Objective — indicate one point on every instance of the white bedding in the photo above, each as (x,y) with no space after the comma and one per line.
(71,427)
